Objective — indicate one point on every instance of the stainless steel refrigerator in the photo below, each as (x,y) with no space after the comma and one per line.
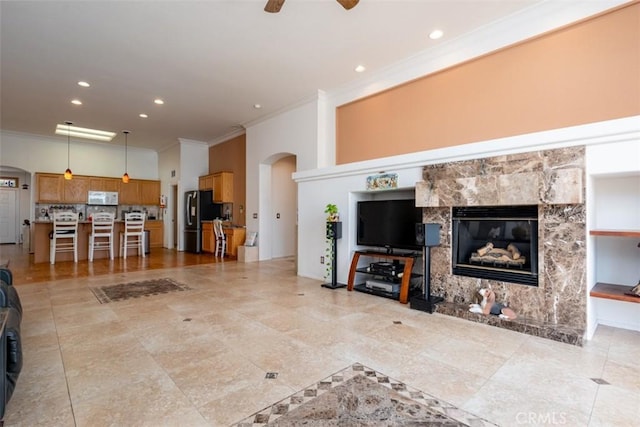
(198,207)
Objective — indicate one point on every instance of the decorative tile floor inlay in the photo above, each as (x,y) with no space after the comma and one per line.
(358,395)
(125,291)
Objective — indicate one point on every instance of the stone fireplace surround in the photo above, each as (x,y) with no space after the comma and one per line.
(554,181)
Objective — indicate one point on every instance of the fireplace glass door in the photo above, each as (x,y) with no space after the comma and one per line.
(496,242)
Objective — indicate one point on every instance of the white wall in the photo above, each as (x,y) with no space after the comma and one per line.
(169,172)
(35,153)
(294,132)
(194,162)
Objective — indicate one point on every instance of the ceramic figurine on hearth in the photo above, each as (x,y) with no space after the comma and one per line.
(486,304)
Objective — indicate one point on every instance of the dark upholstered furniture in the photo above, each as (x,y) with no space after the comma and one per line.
(10,342)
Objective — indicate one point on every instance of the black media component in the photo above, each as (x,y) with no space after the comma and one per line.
(430,237)
(334,230)
(388,224)
(428,234)
(386,268)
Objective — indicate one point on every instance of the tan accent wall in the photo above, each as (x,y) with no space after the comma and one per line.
(230,156)
(583,73)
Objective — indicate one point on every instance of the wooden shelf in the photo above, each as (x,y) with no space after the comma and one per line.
(615,233)
(614,292)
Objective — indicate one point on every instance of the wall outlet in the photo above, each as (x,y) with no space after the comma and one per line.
(321,260)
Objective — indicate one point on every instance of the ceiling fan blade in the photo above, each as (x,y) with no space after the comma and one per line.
(273,6)
(348,4)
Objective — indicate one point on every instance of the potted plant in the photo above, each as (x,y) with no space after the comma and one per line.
(332,213)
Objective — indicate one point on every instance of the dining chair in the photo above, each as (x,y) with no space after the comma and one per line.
(64,237)
(101,237)
(221,238)
(133,234)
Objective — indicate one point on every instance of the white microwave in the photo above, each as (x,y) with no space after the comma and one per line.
(103,198)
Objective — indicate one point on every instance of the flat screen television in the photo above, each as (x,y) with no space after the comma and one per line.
(388,224)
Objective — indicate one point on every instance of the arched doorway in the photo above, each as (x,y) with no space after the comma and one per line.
(278,207)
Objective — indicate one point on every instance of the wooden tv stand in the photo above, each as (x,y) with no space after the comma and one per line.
(408,260)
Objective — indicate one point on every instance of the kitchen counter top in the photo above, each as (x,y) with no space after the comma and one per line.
(225,224)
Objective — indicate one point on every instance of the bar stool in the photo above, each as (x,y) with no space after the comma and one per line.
(221,238)
(133,235)
(101,237)
(64,237)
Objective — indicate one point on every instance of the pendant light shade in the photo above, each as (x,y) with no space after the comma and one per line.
(68,174)
(125,177)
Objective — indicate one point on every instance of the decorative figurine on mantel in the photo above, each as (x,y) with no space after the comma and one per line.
(488,305)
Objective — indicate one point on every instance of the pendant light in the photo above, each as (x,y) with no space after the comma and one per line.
(68,174)
(125,177)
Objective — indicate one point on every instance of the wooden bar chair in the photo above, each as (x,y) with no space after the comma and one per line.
(133,234)
(101,237)
(221,238)
(64,237)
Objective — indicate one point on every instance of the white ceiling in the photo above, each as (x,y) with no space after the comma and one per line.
(210,61)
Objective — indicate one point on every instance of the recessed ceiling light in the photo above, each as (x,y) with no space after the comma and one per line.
(98,135)
(158,101)
(435,34)
(76,102)
(83,84)
(257,106)
(360,68)
(143,115)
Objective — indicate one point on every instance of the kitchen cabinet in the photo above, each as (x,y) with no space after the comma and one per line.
(129,193)
(205,182)
(104,184)
(140,192)
(49,187)
(76,190)
(223,187)
(208,237)
(149,192)
(156,233)
(235,237)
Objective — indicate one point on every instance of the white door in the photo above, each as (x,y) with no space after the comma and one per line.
(8,206)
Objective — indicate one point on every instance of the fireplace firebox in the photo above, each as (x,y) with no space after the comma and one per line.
(496,242)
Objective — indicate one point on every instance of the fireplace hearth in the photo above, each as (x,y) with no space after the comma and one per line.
(496,242)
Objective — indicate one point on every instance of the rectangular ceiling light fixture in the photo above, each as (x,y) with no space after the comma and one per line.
(98,135)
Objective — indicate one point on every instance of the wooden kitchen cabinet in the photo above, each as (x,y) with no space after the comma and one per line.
(235,237)
(156,233)
(149,192)
(205,182)
(223,187)
(76,190)
(50,187)
(104,184)
(208,237)
(129,193)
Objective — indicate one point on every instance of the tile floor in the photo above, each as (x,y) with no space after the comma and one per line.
(200,357)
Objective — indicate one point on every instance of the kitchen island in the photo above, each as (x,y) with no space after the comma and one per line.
(234,234)
(41,241)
